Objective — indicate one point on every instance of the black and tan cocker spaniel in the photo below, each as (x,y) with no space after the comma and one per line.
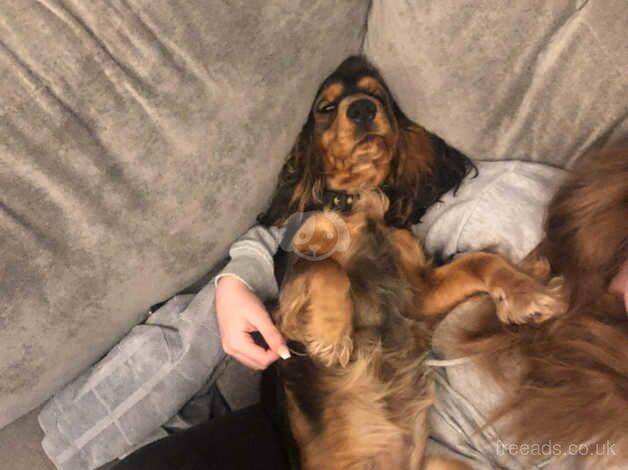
(359,319)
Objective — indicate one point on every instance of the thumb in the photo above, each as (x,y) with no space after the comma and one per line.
(261,320)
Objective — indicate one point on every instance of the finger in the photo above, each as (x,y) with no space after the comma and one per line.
(239,347)
(254,353)
(271,334)
(243,355)
(270,356)
(267,357)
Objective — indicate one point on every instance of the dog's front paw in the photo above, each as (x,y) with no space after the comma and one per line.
(332,353)
(320,236)
(524,300)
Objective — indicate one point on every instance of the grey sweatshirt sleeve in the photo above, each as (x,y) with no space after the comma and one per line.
(252,260)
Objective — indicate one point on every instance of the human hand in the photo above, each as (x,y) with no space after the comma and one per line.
(240,312)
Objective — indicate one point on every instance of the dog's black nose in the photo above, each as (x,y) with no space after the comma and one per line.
(362,111)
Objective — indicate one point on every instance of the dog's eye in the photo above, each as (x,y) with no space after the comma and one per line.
(327,108)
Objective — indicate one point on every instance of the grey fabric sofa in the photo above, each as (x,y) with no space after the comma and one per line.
(138,139)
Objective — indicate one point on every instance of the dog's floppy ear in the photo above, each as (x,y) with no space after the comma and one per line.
(425,169)
(300,184)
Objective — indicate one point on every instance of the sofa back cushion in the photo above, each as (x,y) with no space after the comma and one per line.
(137,140)
(532,80)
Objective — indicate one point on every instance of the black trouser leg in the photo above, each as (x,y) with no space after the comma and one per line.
(243,440)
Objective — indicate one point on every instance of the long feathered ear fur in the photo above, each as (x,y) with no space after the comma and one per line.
(589,216)
(425,169)
(300,184)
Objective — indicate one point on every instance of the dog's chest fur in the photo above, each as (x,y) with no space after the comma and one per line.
(373,409)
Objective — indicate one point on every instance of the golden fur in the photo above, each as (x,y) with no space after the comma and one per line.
(358,394)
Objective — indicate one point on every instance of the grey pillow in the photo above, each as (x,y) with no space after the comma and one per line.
(137,140)
(530,80)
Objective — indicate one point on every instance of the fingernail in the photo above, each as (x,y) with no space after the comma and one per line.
(284,353)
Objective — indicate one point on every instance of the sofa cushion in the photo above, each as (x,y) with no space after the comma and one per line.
(534,80)
(137,140)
